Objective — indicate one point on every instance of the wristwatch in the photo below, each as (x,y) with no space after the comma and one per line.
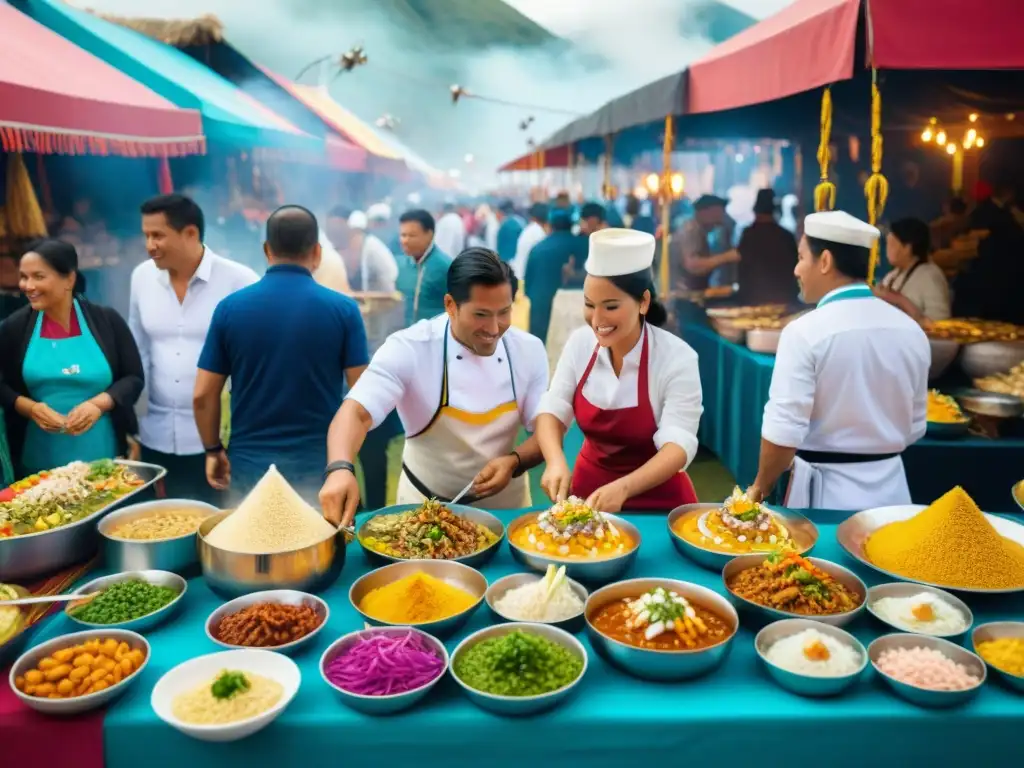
(335,466)
(218,448)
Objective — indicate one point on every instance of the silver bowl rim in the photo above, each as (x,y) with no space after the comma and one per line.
(821,563)
(128,576)
(387,629)
(856,644)
(950,598)
(678,512)
(568,561)
(455,508)
(224,513)
(491,597)
(680,652)
(108,520)
(566,639)
(432,622)
(71,639)
(943,645)
(321,603)
(974,646)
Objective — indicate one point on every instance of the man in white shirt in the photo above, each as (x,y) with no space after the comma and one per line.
(464,383)
(450,233)
(850,385)
(532,234)
(173,296)
(370,264)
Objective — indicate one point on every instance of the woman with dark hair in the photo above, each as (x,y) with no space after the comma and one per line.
(915,285)
(633,389)
(71,372)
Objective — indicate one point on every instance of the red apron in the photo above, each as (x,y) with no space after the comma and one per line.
(620,441)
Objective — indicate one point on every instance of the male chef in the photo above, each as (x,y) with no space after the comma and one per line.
(850,384)
(464,383)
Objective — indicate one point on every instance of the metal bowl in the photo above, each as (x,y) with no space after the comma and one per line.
(661,665)
(479,516)
(946,430)
(456,574)
(994,404)
(906,589)
(520,705)
(381,705)
(23,558)
(498,589)
(807,685)
(854,531)
(177,554)
(1018,493)
(144,623)
(987,358)
(764,340)
(728,330)
(925,697)
(66,707)
(844,576)
(944,352)
(802,530)
(310,569)
(596,571)
(995,630)
(281,597)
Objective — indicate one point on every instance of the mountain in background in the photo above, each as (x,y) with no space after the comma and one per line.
(716,21)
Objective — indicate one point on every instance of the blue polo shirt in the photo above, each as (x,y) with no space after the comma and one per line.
(286,342)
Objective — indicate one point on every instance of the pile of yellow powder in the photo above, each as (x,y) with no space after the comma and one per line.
(949,543)
(416,599)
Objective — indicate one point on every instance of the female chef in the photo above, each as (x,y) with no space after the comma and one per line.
(633,389)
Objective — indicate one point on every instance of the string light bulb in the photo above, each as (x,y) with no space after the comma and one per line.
(653,182)
(677,182)
(951,148)
(973,117)
(980,142)
(927,135)
(940,138)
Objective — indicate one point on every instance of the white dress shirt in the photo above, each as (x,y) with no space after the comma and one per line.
(532,234)
(673,384)
(450,234)
(405,373)
(377,265)
(170,335)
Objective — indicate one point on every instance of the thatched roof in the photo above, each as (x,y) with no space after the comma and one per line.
(180,33)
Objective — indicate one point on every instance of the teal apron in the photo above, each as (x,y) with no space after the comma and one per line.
(63,373)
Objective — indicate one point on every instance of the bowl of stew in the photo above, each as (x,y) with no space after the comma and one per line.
(661,629)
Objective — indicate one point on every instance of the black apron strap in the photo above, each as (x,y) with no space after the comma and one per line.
(428,494)
(829,457)
(443,402)
(906,277)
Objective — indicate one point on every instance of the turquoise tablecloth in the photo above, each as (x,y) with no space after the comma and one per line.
(734,717)
(736,381)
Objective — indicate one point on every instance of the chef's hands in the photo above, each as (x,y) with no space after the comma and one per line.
(339,497)
(495,476)
(610,497)
(755,494)
(218,470)
(46,418)
(556,480)
(82,417)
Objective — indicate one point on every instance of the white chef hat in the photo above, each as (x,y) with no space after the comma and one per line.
(357,220)
(379,212)
(619,252)
(840,227)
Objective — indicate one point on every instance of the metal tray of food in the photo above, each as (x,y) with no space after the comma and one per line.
(764,340)
(30,555)
(728,330)
(994,404)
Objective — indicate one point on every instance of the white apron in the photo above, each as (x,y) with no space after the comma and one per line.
(455,445)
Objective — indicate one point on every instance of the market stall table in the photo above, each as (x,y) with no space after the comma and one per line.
(735,385)
(735,716)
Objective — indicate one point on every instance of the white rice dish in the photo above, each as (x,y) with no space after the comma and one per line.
(796,653)
(924,613)
(272,518)
(545,600)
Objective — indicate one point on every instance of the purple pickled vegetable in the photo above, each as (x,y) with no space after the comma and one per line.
(385,664)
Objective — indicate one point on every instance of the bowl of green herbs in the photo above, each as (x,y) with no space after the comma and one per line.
(135,600)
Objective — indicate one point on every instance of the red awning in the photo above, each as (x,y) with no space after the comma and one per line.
(557,157)
(57,98)
(345,156)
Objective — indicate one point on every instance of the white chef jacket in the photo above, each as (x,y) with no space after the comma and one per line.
(673,380)
(405,373)
(532,234)
(450,234)
(850,377)
(377,266)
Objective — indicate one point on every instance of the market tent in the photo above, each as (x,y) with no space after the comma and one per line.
(57,98)
(229,115)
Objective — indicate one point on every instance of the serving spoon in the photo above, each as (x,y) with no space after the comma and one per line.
(35,599)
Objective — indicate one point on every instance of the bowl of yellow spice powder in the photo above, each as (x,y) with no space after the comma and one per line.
(1001,645)
(436,596)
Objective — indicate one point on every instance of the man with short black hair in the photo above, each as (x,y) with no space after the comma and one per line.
(172,301)
(592,218)
(288,345)
(423,269)
(463,384)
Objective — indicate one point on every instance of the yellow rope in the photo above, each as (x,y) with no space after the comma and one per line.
(825,192)
(876,189)
(666,204)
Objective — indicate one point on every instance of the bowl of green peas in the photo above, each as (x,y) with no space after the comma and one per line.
(134,600)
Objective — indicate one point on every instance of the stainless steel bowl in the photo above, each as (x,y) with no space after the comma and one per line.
(23,558)
(456,574)
(281,597)
(67,707)
(728,330)
(987,358)
(144,623)
(995,630)
(595,571)
(764,340)
(661,665)
(520,705)
(310,569)
(802,530)
(906,589)
(994,404)
(808,685)
(177,554)
(479,516)
(762,613)
(944,352)
(381,705)
(925,697)
(498,589)
(943,430)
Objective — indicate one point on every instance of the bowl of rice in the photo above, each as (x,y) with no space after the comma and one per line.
(919,609)
(154,535)
(553,599)
(809,658)
(927,671)
(226,696)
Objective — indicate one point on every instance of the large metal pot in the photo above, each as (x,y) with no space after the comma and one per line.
(944,352)
(987,358)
